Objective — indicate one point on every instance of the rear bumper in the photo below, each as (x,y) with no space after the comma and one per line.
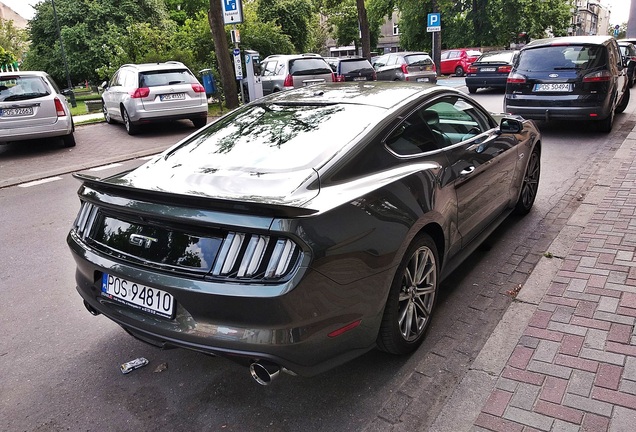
(290,329)
(534,108)
(480,82)
(143,116)
(64,126)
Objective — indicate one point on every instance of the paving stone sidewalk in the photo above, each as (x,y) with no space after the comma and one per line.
(563,357)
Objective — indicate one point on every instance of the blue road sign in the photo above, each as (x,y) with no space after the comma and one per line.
(433,22)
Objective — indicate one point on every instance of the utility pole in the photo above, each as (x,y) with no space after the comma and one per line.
(68,76)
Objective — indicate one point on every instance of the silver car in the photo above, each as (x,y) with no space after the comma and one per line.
(32,107)
(285,72)
(152,92)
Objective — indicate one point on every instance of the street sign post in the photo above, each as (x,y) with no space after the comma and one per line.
(232,11)
(238,67)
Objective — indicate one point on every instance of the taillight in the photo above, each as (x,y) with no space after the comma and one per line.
(504,69)
(333,77)
(600,76)
(59,108)
(375,76)
(516,78)
(405,69)
(198,88)
(340,78)
(434,67)
(289,81)
(141,92)
(472,69)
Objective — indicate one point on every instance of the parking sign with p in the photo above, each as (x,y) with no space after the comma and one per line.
(433,22)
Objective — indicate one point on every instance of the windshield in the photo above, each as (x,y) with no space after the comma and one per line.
(276,138)
(562,57)
(418,60)
(347,66)
(164,78)
(309,66)
(16,88)
(497,57)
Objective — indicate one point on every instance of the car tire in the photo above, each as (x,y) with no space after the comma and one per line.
(409,307)
(472,90)
(606,124)
(459,71)
(529,184)
(199,122)
(624,102)
(69,140)
(107,116)
(130,128)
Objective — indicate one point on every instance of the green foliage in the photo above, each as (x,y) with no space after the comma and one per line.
(87,28)
(293,17)
(265,37)
(181,10)
(13,39)
(467,23)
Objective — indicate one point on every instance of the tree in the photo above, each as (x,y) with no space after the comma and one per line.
(293,17)
(13,39)
(215,18)
(87,28)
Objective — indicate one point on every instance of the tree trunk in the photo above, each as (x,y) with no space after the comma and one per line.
(223,57)
(365,34)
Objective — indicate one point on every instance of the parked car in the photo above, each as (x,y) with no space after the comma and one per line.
(569,78)
(285,72)
(33,107)
(154,92)
(300,232)
(351,69)
(405,66)
(628,51)
(457,61)
(490,70)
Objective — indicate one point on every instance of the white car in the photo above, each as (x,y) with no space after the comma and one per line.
(32,107)
(154,92)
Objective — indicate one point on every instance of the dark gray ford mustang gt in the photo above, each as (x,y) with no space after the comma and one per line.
(305,228)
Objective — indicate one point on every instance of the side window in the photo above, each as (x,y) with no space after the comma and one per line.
(453,54)
(392,59)
(269,68)
(444,55)
(115,80)
(458,119)
(381,61)
(415,135)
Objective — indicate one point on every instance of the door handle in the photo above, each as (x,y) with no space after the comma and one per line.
(468,170)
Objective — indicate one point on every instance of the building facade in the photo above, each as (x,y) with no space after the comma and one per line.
(589,18)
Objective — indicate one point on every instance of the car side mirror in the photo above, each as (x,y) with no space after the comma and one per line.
(510,125)
(104,84)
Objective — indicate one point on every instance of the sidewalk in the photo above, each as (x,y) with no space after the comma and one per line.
(563,358)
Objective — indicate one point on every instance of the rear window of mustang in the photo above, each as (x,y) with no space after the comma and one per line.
(276,137)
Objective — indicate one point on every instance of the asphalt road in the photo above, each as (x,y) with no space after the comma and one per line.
(60,365)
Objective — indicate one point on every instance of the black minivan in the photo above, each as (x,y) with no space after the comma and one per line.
(569,78)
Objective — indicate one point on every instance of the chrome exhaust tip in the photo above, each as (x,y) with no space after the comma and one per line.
(264,373)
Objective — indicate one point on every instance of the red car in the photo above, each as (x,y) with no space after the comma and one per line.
(456,61)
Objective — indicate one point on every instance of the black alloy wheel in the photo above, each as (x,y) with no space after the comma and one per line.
(530,184)
(459,71)
(409,307)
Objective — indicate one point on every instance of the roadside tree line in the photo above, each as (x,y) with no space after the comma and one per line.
(99,36)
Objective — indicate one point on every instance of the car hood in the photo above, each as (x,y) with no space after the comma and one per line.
(195,178)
